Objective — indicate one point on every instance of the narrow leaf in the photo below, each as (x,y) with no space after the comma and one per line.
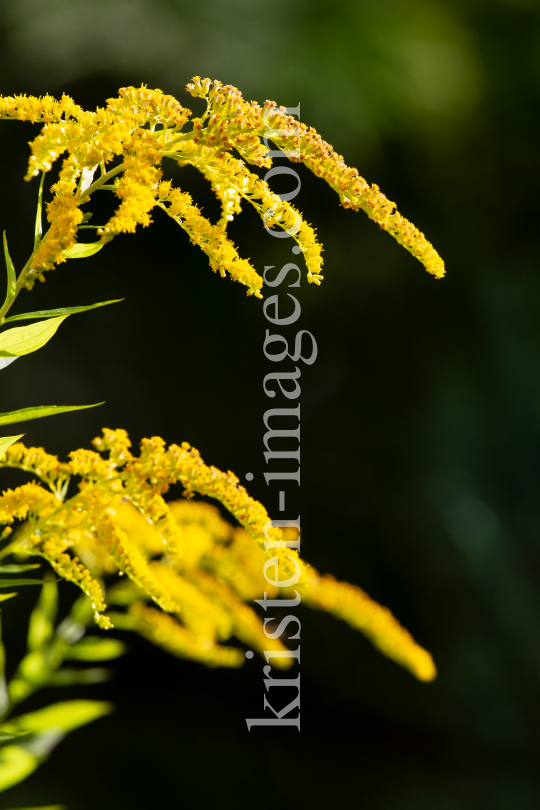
(6,736)
(42,618)
(25,414)
(122,621)
(38,230)
(6,361)
(7,441)
(16,583)
(52,313)
(92,648)
(72,677)
(86,178)
(16,763)
(33,672)
(26,339)
(82,250)
(17,569)
(48,725)
(64,716)
(11,275)
(49,807)
(5,596)
(4,697)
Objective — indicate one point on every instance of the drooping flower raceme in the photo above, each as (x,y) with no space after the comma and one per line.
(127,141)
(196,569)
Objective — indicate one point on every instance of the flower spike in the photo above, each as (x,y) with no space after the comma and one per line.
(183,556)
(140,128)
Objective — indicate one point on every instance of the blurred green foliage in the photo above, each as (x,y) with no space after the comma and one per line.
(421,440)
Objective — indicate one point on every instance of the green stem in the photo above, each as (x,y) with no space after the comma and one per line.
(95,186)
(102,180)
(187,136)
(21,281)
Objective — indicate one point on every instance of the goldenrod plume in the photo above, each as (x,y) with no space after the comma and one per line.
(183,556)
(142,127)
(353,605)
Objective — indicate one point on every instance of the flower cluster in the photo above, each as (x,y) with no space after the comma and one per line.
(210,238)
(138,130)
(234,122)
(196,568)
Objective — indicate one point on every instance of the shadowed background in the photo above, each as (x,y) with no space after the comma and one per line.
(420,418)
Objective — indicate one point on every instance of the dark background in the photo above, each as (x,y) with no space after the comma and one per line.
(420,419)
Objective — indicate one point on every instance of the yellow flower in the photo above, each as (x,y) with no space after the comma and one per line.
(137,188)
(353,605)
(164,631)
(212,240)
(203,570)
(142,126)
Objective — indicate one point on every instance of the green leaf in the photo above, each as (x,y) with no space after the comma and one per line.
(33,672)
(38,230)
(16,763)
(82,250)
(92,648)
(65,716)
(17,569)
(5,596)
(42,618)
(38,412)
(7,736)
(7,441)
(11,275)
(25,339)
(52,313)
(122,621)
(4,697)
(49,807)
(6,361)
(71,677)
(48,725)
(16,583)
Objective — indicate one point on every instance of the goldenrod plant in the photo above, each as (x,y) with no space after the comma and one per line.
(175,572)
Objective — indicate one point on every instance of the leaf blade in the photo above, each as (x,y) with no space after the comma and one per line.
(15,583)
(38,229)
(48,807)
(40,411)
(73,677)
(6,361)
(83,249)
(17,569)
(52,313)
(49,726)
(16,764)
(7,441)
(11,274)
(26,339)
(43,616)
(92,648)
(65,716)
(6,736)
